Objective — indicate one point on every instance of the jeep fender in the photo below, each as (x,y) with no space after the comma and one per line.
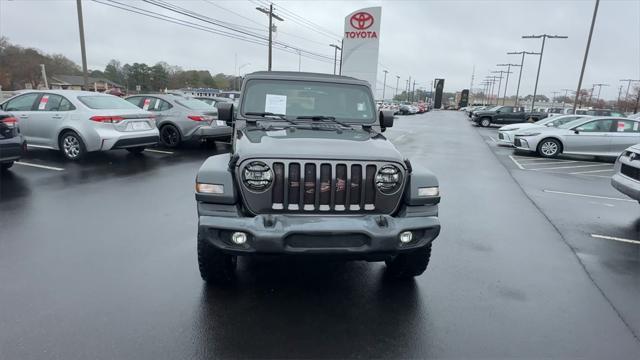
(215,170)
(418,178)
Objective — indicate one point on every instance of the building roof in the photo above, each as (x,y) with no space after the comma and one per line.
(78,80)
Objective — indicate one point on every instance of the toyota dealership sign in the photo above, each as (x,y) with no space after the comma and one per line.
(361,44)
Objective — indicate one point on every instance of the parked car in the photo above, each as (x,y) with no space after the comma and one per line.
(182,119)
(313,177)
(12,143)
(506,134)
(627,173)
(599,136)
(505,115)
(213,101)
(77,122)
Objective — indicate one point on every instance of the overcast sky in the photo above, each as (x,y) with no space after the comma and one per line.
(421,39)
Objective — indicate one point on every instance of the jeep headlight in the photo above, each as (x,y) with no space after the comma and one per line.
(388,179)
(257,176)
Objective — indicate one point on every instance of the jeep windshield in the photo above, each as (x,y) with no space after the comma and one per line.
(350,103)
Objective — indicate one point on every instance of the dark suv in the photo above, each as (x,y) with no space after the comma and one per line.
(310,173)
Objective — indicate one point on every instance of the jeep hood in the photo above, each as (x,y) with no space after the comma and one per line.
(307,143)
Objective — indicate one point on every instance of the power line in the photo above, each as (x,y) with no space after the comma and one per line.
(301,20)
(148,13)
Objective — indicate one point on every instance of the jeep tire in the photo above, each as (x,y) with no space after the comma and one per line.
(215,266)
(410,264)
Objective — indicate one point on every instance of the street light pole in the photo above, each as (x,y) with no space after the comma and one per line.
(599,89)
(523,53)
(85,74)
(335,56)
(397,82)
(544,39)
(384,84)
(586,54)
(499,84)
(271,15)
(506,83)
(626,97)
(564,99)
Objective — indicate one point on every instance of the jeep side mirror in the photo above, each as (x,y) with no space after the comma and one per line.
(225,112)
(386,119)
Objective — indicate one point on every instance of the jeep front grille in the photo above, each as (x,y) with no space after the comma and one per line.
(322,186)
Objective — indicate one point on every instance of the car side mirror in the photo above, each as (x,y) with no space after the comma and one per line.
(576,131)
(497,111)
(386,119)
(225,112)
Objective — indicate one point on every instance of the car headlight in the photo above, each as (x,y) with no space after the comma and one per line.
(257,176)
(530,134)
(388,179)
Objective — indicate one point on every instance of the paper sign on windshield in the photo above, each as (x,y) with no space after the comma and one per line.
(276,104)
(620,126)
(43,102)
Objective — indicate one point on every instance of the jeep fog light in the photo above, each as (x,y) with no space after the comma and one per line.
(406,236)
(209,188)
(239,238)
(429,191)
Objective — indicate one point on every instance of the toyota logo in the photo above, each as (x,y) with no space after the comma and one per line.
(361,20)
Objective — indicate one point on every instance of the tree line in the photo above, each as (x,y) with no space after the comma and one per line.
(20,66)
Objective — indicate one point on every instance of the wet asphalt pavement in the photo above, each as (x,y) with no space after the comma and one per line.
(97,260)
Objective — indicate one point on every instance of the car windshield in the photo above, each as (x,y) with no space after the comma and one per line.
(194,104)
(346,102)
(105,102)
(495,108)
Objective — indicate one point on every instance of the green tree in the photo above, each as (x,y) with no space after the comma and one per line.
(159,77)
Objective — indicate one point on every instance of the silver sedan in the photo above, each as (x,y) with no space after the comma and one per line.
(597,136)
(181,118)
(627,176)
(506,134)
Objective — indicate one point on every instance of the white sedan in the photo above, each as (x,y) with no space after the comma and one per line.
(506,134)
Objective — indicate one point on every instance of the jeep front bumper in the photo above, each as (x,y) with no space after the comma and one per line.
(352,236)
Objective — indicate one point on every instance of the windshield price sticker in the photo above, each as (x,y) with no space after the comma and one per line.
(43,102)
(635,126)
(276,104)
(360,106)
(146,104)
(620,126)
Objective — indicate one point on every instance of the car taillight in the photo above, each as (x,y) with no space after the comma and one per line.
(197,117)
(107,119)
(10,122)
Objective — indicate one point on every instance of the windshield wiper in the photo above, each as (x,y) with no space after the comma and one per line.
(322,118)
(278,116)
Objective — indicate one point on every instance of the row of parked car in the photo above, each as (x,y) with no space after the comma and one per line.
(78,122)
(576,134)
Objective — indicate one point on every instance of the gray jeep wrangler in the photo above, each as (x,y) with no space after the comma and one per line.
(310,173)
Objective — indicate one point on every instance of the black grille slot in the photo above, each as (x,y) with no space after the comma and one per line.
(355,185)
(309,186)
(294,186)
(341,187)
(369,190)
(325,186)
(278,186)
(630,171)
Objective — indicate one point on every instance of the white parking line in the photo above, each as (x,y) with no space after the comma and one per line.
(615,239)
(516,162)
(587,196)
(494,140)
(39,166)
(590,171)
(549,163)
(159,151)
(569,167)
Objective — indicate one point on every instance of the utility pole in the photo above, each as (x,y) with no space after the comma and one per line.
(341,47)
(473,75)
(499,84)
(85,73)
(544,39)
(397,82)
(564,99)
(523,53)
(384,84)
(586,54)
(44,76)
(599,89)
(271,15)
(335,56)
(626,97)
(506,83)
(618,102)
(553,99)
(493,80)
(408,87)
(413,92)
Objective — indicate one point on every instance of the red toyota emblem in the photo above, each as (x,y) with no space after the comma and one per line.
(361,20)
